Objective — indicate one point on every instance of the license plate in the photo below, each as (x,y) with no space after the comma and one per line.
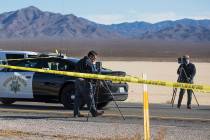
(122,90)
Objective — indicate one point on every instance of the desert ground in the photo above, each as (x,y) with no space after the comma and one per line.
(160,71)
(122,50)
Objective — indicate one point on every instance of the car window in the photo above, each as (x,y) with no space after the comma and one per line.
(48,64)
(60,64)
(3,62)
(32,56)
(53,65)
(63,67)
(25,63)
(42,64)
(14,56)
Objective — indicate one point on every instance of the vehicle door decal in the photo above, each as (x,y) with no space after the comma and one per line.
(16,84)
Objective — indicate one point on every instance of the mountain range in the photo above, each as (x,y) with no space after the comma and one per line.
(32,23)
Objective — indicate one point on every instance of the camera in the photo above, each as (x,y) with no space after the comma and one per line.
(182,60)
(98,66)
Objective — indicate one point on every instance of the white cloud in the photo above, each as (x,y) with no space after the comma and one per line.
(107,19)
(135,16)
(200,17)
(131,17)
(157,17)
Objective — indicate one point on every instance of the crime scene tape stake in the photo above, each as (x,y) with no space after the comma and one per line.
(146,110)
(199,88)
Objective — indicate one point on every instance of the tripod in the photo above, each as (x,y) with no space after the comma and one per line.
(105,86)
(96,90)
(175,89)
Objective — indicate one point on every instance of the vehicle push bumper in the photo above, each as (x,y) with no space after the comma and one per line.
(119,92)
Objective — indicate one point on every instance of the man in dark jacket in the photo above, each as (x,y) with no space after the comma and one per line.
(84,87)
(186,72)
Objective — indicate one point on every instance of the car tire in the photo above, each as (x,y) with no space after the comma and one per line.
(66,96)
(6,101)
(102,105)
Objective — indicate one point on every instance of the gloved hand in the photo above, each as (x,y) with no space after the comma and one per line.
(190,80)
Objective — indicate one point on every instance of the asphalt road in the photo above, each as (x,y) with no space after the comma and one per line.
(28,120)
(129,110)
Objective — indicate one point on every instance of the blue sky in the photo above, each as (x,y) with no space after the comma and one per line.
(117,11)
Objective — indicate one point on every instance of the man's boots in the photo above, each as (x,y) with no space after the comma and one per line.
(180,100)
(97,113)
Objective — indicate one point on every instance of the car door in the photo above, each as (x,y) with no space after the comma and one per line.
(45,84)
(16,84)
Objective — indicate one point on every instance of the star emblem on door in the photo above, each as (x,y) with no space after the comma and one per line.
(15,86)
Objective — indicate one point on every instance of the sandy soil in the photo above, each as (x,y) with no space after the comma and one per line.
(127,50)
(160,71)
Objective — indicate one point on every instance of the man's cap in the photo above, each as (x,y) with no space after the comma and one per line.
(186,56)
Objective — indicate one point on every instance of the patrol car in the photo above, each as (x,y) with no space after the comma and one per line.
(16,85)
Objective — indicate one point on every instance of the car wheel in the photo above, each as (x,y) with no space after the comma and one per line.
(102,105)
(7,101)
(67,97)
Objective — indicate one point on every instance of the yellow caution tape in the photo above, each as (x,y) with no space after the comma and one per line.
(199,88)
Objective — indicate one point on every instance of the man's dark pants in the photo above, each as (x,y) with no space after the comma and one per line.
(189,97)
(84,91)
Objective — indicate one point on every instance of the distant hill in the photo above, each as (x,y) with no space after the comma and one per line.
(32,23)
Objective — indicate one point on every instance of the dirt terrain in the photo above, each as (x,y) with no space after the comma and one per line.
(160,71)
(127,50)
(26,120)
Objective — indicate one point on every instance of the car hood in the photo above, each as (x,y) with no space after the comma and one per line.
(113,73)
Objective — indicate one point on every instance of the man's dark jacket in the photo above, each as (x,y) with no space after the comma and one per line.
(85,66)
(186,72)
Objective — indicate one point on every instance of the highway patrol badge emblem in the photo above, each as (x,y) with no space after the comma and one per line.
(15,83)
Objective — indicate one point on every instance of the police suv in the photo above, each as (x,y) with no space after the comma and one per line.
(18,85)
